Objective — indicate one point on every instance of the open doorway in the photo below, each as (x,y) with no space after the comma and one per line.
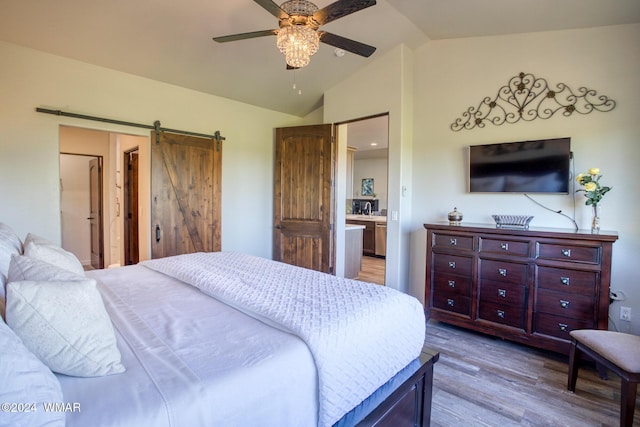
(123,190)
(366,189)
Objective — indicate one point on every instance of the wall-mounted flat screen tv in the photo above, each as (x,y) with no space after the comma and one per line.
(540,166)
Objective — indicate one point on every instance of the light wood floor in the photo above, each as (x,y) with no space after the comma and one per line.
(372,270)
(485,381)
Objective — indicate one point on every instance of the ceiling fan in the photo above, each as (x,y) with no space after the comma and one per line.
(298,36)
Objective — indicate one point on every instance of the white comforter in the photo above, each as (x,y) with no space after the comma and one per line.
(360,334)
(191,361)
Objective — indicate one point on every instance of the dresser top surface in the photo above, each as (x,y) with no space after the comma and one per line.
(607,236)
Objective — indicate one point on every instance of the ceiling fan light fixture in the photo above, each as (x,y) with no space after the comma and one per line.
(298,43)
(299,22)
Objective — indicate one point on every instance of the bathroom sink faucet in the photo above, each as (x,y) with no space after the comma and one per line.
(369,210)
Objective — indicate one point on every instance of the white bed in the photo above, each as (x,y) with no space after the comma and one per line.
(208,362)
(232,340)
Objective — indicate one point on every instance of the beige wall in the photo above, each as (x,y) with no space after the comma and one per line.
(371,168)
(29,141)
(426,90)
(453,75)
(384,86)
(423,91)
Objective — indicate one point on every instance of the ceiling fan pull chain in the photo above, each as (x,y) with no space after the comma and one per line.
(294,82)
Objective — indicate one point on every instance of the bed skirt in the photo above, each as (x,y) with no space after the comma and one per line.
(405,400)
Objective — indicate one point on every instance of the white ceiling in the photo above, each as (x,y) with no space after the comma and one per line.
(171,41)
(370,137)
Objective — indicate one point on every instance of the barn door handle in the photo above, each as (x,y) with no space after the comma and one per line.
(90,217)
(157,233)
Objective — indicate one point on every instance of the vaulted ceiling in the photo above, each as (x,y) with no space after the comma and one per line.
(171,41)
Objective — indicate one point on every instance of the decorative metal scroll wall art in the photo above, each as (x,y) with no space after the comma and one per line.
(527,98)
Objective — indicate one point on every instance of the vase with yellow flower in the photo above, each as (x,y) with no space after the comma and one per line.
(593,191)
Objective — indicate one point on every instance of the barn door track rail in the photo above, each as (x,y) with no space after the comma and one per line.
(155,126)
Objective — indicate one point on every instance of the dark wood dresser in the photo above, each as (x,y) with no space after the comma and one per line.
(531,286)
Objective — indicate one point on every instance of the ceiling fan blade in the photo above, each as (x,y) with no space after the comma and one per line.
(346,44)
(272,8)
(243,36)
(339,9)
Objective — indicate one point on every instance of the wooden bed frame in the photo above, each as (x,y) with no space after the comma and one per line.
(410,403)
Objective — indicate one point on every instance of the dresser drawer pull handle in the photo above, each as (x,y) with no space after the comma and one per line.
(563,327)
(500,314)
(564,304)
(450,302)
(452,264)
(503,272)
(566,252)
(504,246)
(453,241)
(452,283)
(565,281)
(502,293)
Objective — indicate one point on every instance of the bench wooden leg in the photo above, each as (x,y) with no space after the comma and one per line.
(628,392)
(574,359)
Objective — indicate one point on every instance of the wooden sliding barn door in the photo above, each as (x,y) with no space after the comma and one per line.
(186,176)
(303,197)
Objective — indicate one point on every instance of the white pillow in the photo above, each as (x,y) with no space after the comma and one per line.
(8,235)
(65,324)
(25,380)
(27,268)
(9,245)
(42,249)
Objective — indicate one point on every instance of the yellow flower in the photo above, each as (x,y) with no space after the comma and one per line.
(591,186)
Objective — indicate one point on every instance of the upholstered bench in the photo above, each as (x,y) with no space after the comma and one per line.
(616,351)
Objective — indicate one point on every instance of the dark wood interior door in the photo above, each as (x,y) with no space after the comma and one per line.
(303,197)
(186,177)
(130,238)
(95,213)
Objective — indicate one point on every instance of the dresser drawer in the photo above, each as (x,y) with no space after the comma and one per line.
(503,314)
(565,304)
(503,271)
(441,241)
(453,303)
(574,253)
(453,264)
(558,326)
(504,247)
(452,284)
(566,280)
(506,294)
